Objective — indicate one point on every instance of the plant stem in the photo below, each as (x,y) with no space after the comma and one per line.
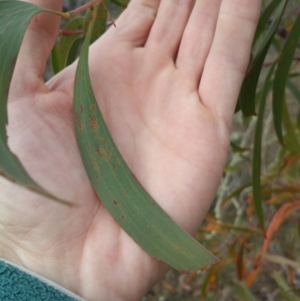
(82,8)
(70,32)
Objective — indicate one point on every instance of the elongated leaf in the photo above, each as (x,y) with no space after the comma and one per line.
(122,3)
(256,162)
(282,260)
(285,291)
(237,192)
(100,23)
(237,148)
(291,139)
(130,205)
(248,91)
(61,51)
(281,76)
(282,213)
(265,18)
(14,19)
(243,293)
(294,90)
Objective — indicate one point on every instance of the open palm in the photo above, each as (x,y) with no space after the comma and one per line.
(166,80)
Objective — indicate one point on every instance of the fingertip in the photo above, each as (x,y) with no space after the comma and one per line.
(135,22)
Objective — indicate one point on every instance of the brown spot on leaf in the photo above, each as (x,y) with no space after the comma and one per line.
(80,125)
(93,107)
(116,203)
(95,167)
(78,122)
(104,153)
(125,193)
(81,109)
(123,216)
(93,123)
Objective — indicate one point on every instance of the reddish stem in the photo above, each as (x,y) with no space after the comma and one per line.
(70,32)
(84,7)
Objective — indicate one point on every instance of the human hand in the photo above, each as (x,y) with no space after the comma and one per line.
(166,80)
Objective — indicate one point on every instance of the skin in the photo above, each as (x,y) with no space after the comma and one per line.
(167,80)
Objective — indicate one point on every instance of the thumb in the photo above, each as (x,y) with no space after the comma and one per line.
(38,42)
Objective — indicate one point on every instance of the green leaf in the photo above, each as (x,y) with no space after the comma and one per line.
(14,19)
(237,148)
(256,162)
(100,22)
(249,86)
(265,18)
(62,53)
(291,139)
(238,191)
(281,76)
(122,3)
(294,89)
(243,293)
(126,200)
(285,291)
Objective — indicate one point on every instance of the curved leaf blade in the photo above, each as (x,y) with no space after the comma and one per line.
(256,161)
(127,201)
(61,52)
(14,19)
(249,86)
(281,77)
(291,139)
(243,293)
(265,17)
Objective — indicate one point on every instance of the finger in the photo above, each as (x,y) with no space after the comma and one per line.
(229,56)
(134,24)
(167,30)
(37,44)
(197,38)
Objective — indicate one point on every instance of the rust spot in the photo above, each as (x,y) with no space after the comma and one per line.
(80,125)
(93,107)
(104,153)
(116,203)
(78,122)
(125,193)
(98,136)
(81,109)
(93,123)
(114,166)
(123,216)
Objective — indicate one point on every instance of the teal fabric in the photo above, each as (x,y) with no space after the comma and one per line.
(18,284)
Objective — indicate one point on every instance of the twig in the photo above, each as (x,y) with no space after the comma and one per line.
(82,8)
(70,32)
